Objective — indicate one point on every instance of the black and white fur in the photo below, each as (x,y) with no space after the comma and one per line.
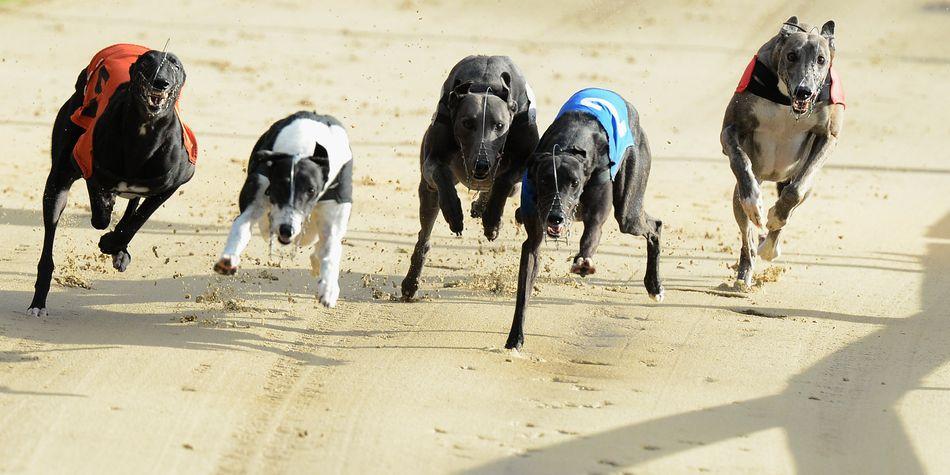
(299,188)
(139,154)
(570,174)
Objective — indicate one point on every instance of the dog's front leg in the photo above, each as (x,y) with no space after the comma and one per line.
(595,206)
(497,197)
(449,201)
(116,242)
(749,193)
(252,201)
(332,222)
(794,193)
(527,273)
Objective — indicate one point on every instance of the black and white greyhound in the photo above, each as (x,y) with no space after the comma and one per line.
(483,130)
(121,131)
(781,125)
(593,156)
(299,188)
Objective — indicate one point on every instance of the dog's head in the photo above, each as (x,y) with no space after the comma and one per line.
(802,59)
(480,121)
(295,185)
(558,179)
(156,81)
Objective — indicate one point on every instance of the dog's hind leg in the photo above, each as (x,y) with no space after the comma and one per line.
(595,208)
(428,212)
(325,260)
(116,241)
(527,273)
(54,202)
(747,233)
(63,173)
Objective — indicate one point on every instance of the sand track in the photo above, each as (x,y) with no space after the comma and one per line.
(837,363)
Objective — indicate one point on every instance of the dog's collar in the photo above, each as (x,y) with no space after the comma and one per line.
(758,79)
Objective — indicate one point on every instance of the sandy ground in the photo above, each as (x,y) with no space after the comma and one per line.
(840,362)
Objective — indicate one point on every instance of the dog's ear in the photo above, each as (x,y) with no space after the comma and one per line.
(505,93)
(320,151)
(790,26)
(828,31)
(458,91)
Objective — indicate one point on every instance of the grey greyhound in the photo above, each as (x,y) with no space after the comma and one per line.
(594,156)
(481,135)
(781,125)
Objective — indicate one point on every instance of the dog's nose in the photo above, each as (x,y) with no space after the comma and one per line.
(555,219)
(160,84)
(803,93)
(482,167)
(285,231)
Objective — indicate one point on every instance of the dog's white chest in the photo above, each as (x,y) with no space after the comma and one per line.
(781,141)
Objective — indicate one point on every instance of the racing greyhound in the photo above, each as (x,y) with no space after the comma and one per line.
(593,156)
(299,187)
(781,125)
(128,96)
(483,130)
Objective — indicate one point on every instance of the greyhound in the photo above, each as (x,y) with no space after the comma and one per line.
(781,125)
(299,187)
(121,131)
(595,154)
(483,130)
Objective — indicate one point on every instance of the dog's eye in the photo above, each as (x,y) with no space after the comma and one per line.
(499,126)
(312,191)
(792,57)
(468,124)
(821,60)
(574,184)
(267,192)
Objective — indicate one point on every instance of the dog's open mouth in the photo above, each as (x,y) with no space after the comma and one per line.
(555,231)
(284,240)
(801,106)
(156,101)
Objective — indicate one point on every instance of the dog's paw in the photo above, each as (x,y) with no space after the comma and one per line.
(774,223)
(658,297)
(491,232)
(409,288)
(328,293)
(227,265)
(478,209)
(37,312)
(769,249)
(121,260)
(753,208)
(583,266)
(452,212)
(110,243)
(515,342)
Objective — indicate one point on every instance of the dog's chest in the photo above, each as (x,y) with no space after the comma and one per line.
(780,141)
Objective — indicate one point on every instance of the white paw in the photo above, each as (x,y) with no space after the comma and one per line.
(37,312)
(658,297)
(328,293)
(754,209)
(769,249)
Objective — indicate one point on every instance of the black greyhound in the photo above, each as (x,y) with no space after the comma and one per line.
(594,155)
(124,114)
(481,135)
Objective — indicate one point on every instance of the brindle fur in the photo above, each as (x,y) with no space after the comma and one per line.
(765,141)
